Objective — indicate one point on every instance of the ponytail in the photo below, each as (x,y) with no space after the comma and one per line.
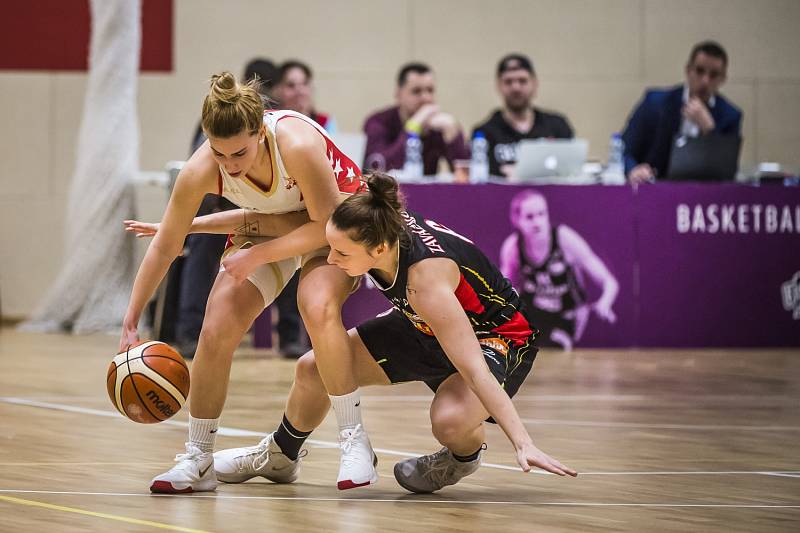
(373,217)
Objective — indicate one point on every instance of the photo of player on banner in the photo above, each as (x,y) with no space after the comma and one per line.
(548,264)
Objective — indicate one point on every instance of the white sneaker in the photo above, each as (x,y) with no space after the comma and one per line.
(357,467)
(193,473)
(266,459)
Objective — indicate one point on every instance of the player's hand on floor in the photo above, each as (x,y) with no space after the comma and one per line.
(140,229)
(529,456)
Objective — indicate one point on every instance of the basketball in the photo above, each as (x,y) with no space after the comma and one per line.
(149,382)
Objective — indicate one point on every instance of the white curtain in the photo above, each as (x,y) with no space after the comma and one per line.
(92,288)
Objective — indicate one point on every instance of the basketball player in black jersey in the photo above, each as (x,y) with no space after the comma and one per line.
(456,325)
(547,264)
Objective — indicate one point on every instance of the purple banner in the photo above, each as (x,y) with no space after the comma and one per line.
(601,217)
(719,265)
(667,265)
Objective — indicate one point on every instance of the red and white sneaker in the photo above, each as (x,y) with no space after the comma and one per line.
(357,466)
(193,473)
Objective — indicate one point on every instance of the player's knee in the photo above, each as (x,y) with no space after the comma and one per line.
(305,371)
(210,335)
(319,310)
(448,425)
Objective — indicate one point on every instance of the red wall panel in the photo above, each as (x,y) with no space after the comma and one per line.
(54,35)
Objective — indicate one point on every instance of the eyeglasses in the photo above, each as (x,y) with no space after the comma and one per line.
(701,71)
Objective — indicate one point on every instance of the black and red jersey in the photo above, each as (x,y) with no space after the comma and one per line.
(487,297)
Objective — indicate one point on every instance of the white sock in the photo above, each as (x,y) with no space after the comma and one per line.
(348,409)
(203,433)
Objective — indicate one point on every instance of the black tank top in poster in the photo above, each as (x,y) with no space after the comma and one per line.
(551,286)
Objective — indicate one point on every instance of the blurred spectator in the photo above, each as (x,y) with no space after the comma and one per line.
(294,90)
(692,109)
(416,112)
(199,265)
(518,119)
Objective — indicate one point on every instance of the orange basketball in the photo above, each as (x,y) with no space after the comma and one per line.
(148,382)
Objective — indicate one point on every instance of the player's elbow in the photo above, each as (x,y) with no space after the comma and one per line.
(165,250)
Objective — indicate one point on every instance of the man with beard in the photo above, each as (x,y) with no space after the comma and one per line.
(518,119)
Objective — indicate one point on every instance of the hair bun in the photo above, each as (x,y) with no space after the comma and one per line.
(225,88)
(384,190)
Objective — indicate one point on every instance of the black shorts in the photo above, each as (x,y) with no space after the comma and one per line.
(407,354)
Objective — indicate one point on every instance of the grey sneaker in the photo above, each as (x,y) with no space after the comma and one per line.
(430,473)
(237,465)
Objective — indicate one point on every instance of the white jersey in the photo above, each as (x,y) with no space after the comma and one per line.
(284,196)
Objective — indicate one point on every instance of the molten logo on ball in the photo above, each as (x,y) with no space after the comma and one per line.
(159,404)
(148,382)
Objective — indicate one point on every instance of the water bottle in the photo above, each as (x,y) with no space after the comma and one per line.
(614,173)
(413,168)
(479,164)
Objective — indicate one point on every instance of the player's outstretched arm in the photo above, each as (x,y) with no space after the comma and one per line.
(196,178)
(236,221)
(431,287)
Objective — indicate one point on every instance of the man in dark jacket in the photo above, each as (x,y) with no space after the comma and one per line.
(692,109)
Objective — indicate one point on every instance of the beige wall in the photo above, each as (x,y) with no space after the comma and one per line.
(593,57)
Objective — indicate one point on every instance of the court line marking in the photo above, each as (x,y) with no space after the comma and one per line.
(489,465)
(780,399)
(76,510)
(235,432)
(407,499)
(589,423)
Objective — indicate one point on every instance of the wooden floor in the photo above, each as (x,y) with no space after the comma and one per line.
(664,440)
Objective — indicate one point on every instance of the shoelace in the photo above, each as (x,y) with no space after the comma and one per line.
(253,456)
(438,467)
(260,456)
(347,444)
(192,453)
(441,466)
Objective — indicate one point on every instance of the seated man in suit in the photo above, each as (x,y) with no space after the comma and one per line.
(692,109)
(518,119)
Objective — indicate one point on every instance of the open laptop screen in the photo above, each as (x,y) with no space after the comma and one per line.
(707,158)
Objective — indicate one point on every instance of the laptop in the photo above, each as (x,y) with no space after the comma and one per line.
(707,158)
(546,158)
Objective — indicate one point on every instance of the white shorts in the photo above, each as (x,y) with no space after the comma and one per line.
(270,279)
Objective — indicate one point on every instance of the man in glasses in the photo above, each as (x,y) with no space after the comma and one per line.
(692,109)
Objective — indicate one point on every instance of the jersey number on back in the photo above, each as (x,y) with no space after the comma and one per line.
(445,229)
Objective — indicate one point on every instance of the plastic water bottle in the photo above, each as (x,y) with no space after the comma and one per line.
(614,173)
(413,167)
(479,164)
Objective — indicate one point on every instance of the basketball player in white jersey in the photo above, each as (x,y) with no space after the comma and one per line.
(284,165)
